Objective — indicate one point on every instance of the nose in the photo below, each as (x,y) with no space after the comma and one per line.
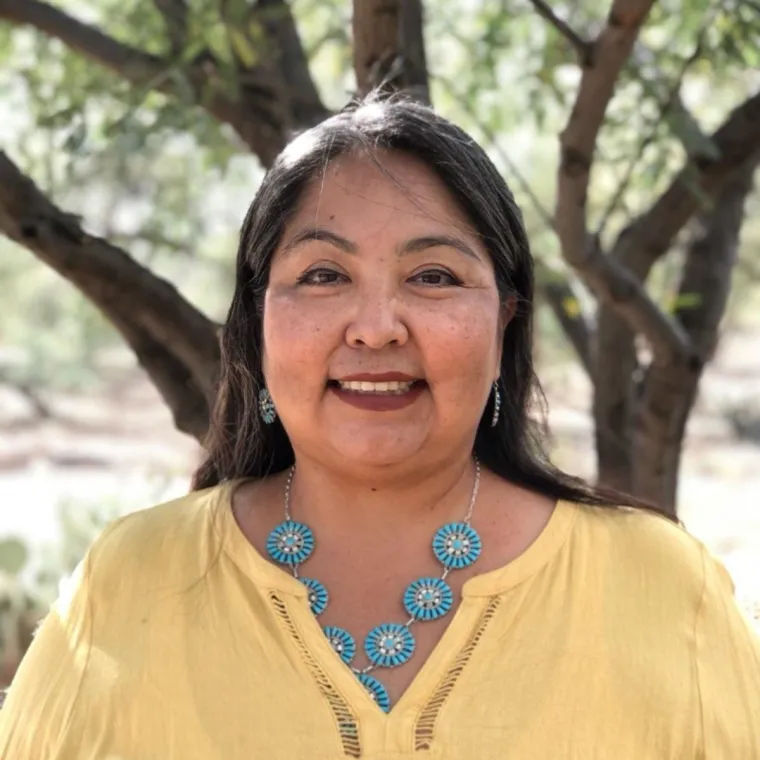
(376,323)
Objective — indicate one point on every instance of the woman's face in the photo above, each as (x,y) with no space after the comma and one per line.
(382,321)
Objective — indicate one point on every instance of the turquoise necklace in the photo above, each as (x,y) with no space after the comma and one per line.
(455,545)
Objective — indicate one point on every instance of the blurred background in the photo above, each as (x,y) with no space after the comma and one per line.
(133,135)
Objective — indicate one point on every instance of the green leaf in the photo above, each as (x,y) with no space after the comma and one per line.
(243,48)
(193,49)
(687,301)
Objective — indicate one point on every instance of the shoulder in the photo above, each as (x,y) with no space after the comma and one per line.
(159,525)
(643,554)
(165,543)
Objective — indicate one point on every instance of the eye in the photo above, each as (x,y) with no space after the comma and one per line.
(321,276)
(436,278)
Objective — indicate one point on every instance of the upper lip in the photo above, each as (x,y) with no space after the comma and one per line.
(378,377)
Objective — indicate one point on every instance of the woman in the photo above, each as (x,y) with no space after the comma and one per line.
(377,561)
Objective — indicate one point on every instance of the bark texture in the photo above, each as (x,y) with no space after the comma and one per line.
(389,46)
(276,92)
(668,391)
(642,401)
(172,340)
(619,398)
(640,409)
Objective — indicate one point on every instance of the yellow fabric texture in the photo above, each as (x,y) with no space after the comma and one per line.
(615,635)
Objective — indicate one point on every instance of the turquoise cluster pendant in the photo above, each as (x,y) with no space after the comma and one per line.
(388,645)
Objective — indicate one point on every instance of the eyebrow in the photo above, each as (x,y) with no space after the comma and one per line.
(433,241)
(320,234)
(415,245)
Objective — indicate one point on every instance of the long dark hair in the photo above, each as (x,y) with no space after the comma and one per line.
(238,444)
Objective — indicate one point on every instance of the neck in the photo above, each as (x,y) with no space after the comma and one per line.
(363,503)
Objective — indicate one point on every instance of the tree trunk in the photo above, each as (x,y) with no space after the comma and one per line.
(632,412)
(172,340)
(640,420)
(669,390)
(614,400)
(389,47)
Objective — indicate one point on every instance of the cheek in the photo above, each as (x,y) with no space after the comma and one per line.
(462,348)
(294,345)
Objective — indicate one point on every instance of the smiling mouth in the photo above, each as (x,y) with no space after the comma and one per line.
(384,388)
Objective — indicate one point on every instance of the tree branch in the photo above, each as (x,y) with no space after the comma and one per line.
(148,71)
(190,405)
(412,43)
(616,286)
(578,140)
(389,48)
(558,292)
(582,47)
(711,258)
(637,249)
(134,65)
(651,235)
(175,343)
(303,99)
(175,15)
(668,95)
(567,311)
(610,282)
(669,391)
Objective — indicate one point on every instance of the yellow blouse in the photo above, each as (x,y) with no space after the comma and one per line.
(615,635)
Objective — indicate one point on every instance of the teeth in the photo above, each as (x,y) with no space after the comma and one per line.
(362,386)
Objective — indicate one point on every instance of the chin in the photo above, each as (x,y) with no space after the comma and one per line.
(377,449)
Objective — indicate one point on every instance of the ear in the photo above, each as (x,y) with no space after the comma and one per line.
(507,312)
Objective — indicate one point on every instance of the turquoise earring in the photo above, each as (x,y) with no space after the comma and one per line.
(266,407)
(496,404)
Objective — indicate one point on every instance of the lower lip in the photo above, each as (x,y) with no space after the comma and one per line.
(379,402)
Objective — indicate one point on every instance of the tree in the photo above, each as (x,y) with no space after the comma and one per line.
(238,72)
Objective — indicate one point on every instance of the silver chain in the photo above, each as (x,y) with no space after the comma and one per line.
(446,570)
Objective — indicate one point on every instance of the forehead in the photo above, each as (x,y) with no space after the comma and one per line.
(361,189)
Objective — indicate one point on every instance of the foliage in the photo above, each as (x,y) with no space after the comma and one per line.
(30,579)
(121,156)
(159,176)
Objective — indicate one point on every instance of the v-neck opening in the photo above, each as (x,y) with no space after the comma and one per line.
(475,592)
(464,618)
(273,577)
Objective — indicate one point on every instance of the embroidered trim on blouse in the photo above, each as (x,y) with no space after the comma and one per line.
(346,721)
(424,729)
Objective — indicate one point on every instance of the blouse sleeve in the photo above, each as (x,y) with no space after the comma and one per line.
(728,670)
(43,695)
